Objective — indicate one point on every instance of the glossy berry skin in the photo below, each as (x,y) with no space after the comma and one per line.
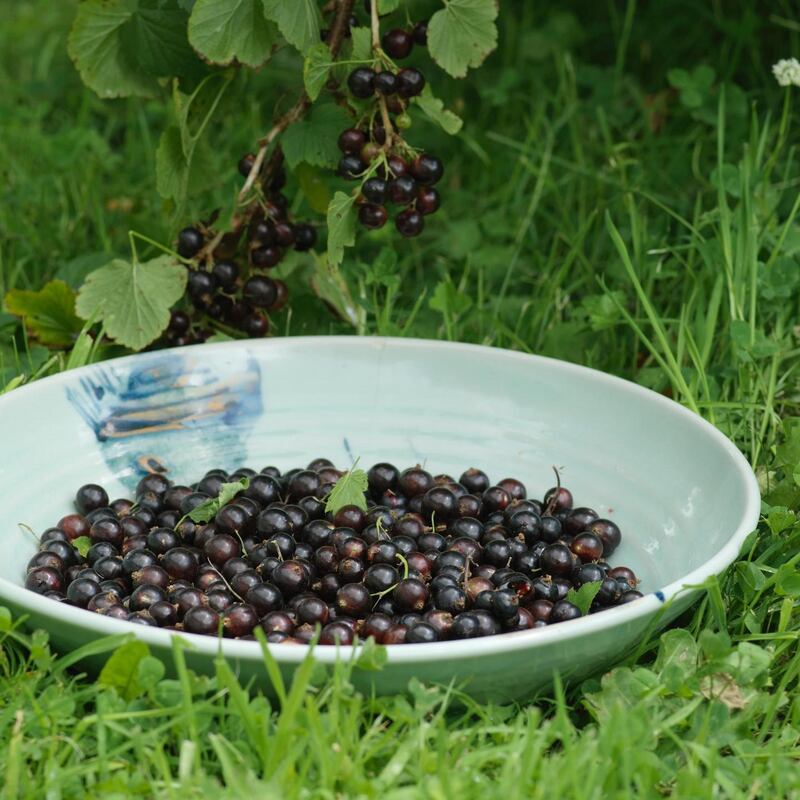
(428,200)
(351,141)
(558,499)
(190,240)
(226,274)
(563,611)
(201,619)
(409,223)
(350,167)
(354,600)
(412,82)
(164,614)
(410,594)
(587,546)
(375,190)
(361,82)
(336,633)
(419,33)
(402,190)
(557,560)
(107,530)
(305,237)
(291,577)
(81,591)
(386,83)
(90,497)
(180,564)
(45,579)
(579,519)
(260,291)
(265,257)
(397,43)
(256,325)
(239,620)
(372,216)
(609,533)
(428,170)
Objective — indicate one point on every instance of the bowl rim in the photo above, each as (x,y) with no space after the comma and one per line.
(408,654)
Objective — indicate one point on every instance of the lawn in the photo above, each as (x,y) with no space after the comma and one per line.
(624,194)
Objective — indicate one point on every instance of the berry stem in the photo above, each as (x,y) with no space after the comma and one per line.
(376,48)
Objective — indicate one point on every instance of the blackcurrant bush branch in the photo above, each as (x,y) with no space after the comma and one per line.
(376,47)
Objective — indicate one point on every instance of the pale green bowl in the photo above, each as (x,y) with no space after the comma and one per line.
(683,495)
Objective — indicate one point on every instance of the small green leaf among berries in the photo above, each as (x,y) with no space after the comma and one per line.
(583,597)
(206,511)
(349,491)
(49,314)
(132,299)
(341,226)
(435,111)
(82,545)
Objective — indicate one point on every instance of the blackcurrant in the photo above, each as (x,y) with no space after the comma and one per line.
(397,43)
(260,291)
(374,189)
(428,170)
(361,82)
(265,257)
(412,82)
(409,223)
(402,190)
(226,274)
(372,216)
(350,167)
(386,83)
(305,237)
(419,33)
(351,141)
(90,497)
(190,240)
(428,200)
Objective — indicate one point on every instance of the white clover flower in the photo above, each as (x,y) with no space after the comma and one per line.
(787,72)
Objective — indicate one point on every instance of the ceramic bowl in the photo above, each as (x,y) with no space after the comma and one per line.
(683,495)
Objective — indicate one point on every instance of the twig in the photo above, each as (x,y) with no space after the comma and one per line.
(376,47)
(340,26)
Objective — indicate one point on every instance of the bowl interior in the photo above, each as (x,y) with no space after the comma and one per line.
(676,487)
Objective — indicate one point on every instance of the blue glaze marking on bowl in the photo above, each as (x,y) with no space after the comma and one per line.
(159,400)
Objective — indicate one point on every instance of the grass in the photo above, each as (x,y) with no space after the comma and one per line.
(590,214)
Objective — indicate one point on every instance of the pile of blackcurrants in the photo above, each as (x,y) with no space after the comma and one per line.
(430,559)
(401,177)
(219,289)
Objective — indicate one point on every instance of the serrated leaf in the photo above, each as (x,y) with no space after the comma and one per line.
(462,34)
(224,30)
(316,68)
(313,186)
(434,109)
(781,518)
(362,44)
(584,597)
(349,491)
(206,511)
(170,163)
(82,545)
(313,138)
(121,670)
(132,300)
(341,226)
(49,314)
(299,21)
(154,40)
(95,44)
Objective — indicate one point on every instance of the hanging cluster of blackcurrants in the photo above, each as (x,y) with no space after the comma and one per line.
(231,285)
(392,173)
(430,559)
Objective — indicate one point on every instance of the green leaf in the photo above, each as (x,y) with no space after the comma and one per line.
(678,650)
(132,300)
(313,186)
(584,596)
(208,510)
(299,21)
(121,670)
(448,300)
(434,109)
(781,518)
(787,580)
(154,39)
(149,673)
(316,68)
(462,34)
(371,656)
(170,164)
(362,44)
(341,226)
(349,491)
(96,45)
(224,30)
(313,138)
(49,314)
(82,545)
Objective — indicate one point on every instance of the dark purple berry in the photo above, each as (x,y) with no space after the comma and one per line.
(190,240)
(361,82)
(372,216)
(397,43)
(428,170)
(412,82)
